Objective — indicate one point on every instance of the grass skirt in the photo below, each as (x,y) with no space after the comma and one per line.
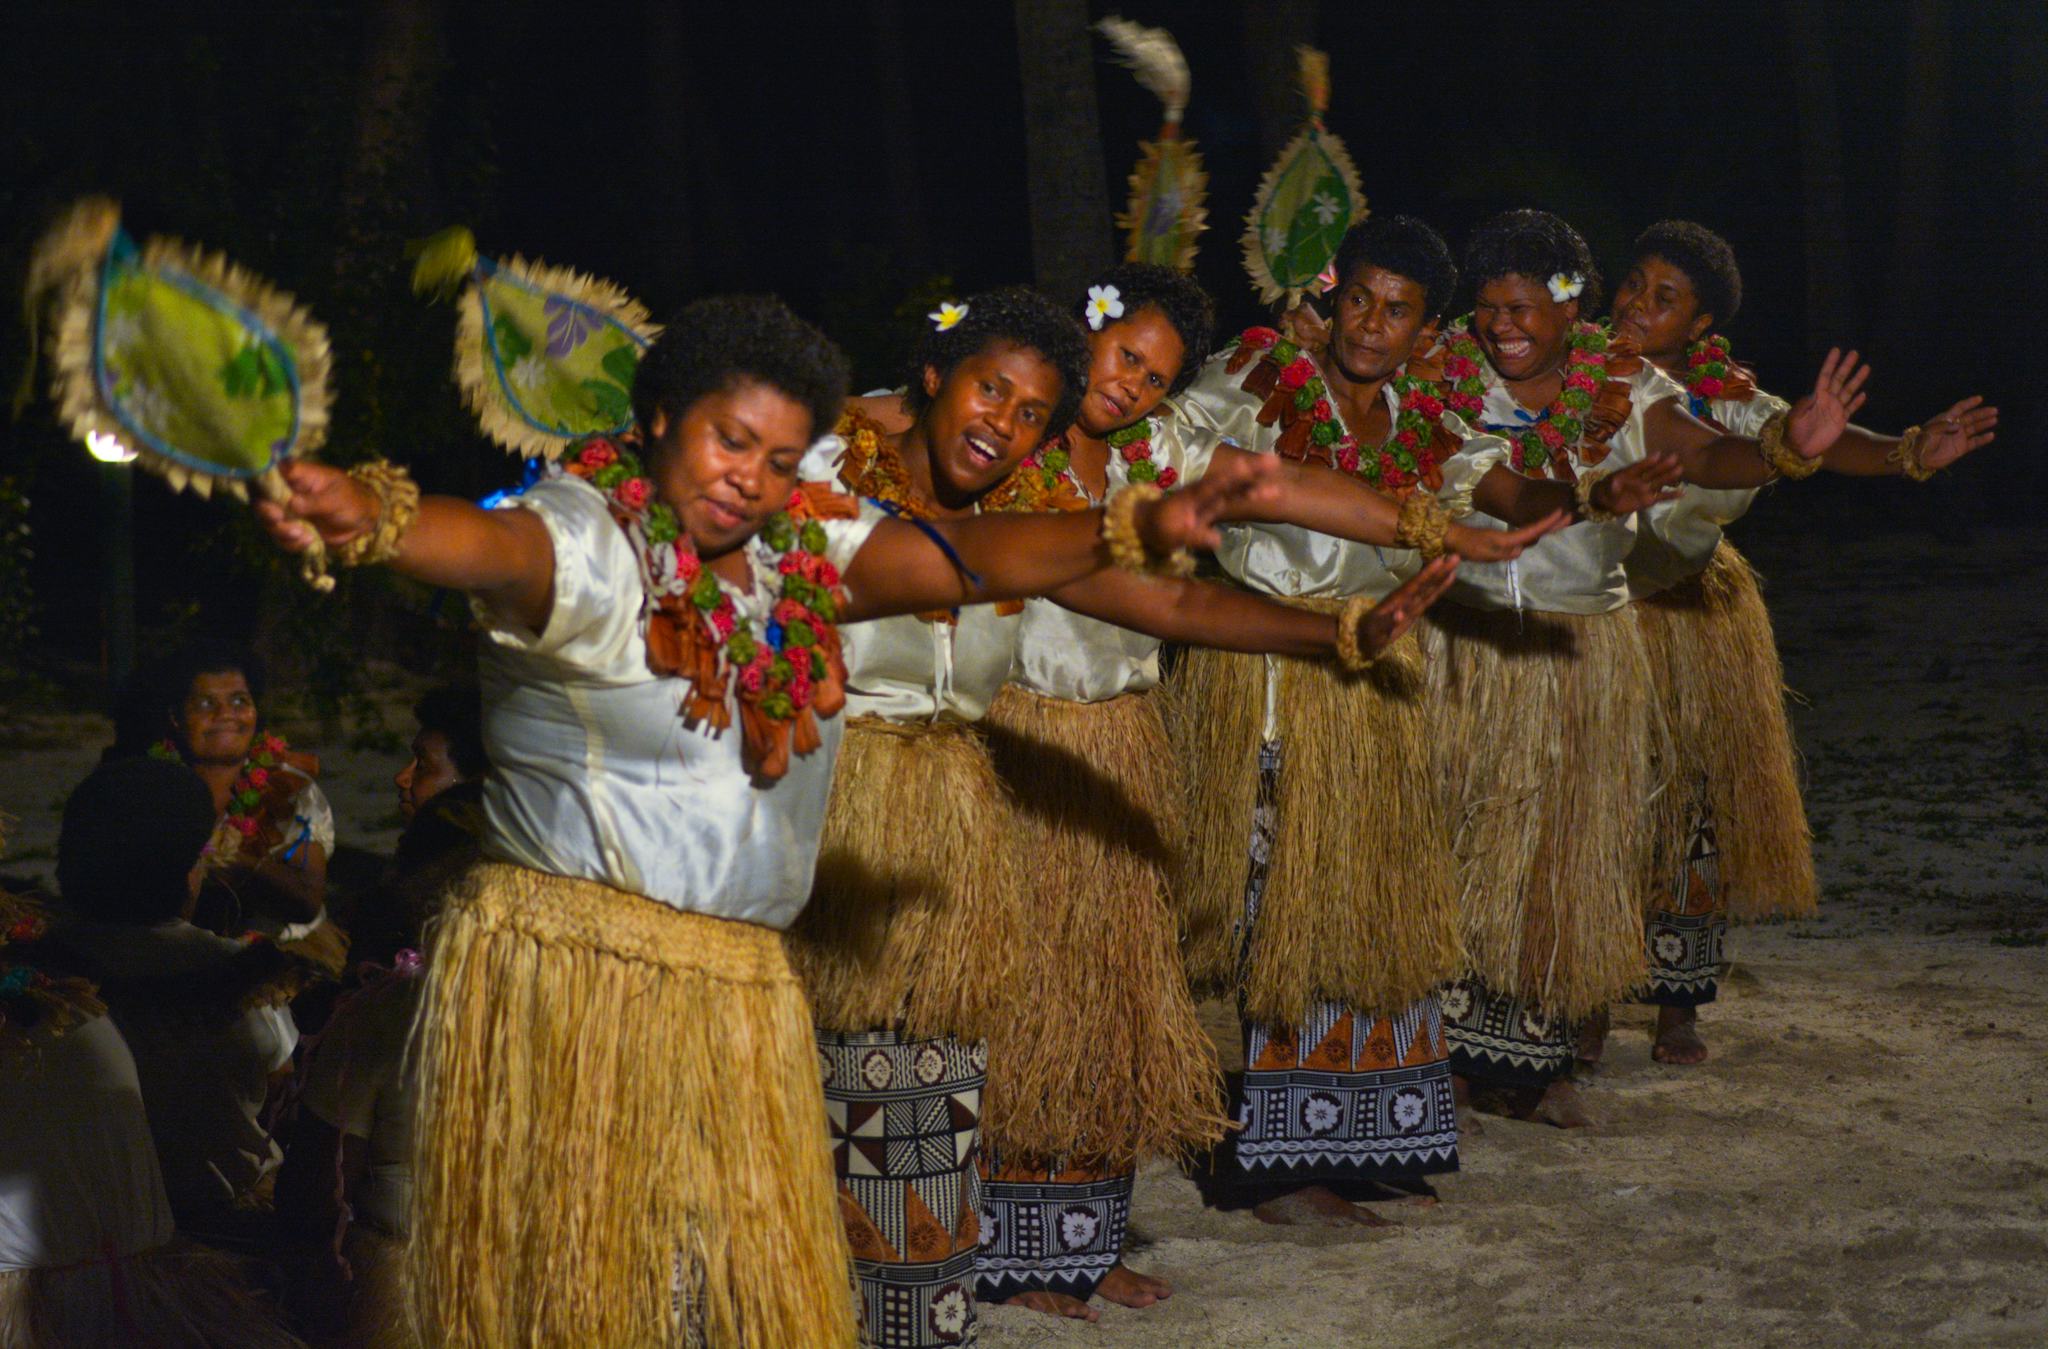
(609,1086)
(1548,736)
(179,1296)
(917,919)
(1359,906)
(1716,667)
(1099,1057)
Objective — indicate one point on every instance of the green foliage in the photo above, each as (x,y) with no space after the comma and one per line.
(512,344)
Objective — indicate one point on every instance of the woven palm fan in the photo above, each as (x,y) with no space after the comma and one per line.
(1309,198)
(203,371)
(544,356)
(1169,186)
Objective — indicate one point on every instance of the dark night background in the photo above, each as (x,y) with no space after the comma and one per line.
(1877,164)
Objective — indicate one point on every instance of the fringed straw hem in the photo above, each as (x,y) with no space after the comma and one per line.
(1548,733)
(1359,905)
(1715,662)
(1097,1056)
(610,1088)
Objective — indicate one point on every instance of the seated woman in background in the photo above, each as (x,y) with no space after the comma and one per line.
(88,1252)
(267,859)
(202,1014)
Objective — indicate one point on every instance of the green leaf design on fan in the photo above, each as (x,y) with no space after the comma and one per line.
(1306,216)
(192,373)
(574,380)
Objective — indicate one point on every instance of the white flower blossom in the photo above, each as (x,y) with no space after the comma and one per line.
(1104,302)
(947,314)
(1276,239)
(1326,207)
(1563,287)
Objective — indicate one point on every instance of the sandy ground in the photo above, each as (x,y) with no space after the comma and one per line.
(1863,1161)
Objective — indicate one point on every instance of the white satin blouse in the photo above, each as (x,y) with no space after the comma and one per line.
(1288,560)
(1675,539)
(1062,654)
(1578,570)
(594,774)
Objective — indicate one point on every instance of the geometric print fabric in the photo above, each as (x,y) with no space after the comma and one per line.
(905,1121)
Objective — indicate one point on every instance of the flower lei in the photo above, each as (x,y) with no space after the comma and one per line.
(1711,373)
(789,669)
(31,1000)
(250,819)
(1413,452)
(1580,418)
(1133,444)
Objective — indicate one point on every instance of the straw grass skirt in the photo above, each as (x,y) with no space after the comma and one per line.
(1547,735)
(918,903)
(178,1296)
(1715,663)
(378,1313)
(1099,1057)
(610,1089)
(1359,906)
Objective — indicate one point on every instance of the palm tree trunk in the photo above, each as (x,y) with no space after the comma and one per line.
(1070,216)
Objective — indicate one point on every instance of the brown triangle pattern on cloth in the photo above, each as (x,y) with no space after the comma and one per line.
(1332,1053)
(925,1238)
(1380,1050)
(862,1234)
(1422,1049)
(1280,1051)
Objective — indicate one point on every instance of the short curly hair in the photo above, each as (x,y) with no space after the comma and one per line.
(1533,244)
(1704,256)
(1021,317)
(720,340)
(1405,246)
(457,712)
(1178,296)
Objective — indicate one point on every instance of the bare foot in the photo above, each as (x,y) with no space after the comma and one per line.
(1316,1206)
(1678,1037)
(1127,1288)
(1055,1304)
(1560,1106)
(1593,1039)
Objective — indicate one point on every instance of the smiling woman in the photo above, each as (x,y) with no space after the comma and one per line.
(667,583)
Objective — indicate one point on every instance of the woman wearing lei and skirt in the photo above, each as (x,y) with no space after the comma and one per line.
(1333,932)
(1552,742)
(620,1120)
(943,972)
(1734,811)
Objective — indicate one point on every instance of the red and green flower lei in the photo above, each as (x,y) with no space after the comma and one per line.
(781,663)
(245,813)
(1412,453)
(1562,424)
(1133,444)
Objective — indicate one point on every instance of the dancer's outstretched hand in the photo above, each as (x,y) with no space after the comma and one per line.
(326,504)
(1397,613)
(1646,482)
(1965,427)
(1187,518)
(1819,419)
(1475,544)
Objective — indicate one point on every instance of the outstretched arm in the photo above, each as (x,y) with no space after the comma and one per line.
(1864,453)
(1714,458)
(902,570)
(1332,502)
(1507,495)
(504,557)
(1204,613)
